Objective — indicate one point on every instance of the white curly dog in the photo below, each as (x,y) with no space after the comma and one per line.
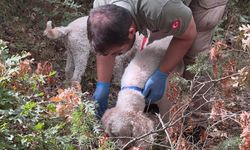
(126,120)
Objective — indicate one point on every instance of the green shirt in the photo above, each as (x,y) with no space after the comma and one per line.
(169,16)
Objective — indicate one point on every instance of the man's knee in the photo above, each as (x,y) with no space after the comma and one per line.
(207,13)
(201,44)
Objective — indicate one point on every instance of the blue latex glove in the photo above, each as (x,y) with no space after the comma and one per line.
(155,86)
(101,96)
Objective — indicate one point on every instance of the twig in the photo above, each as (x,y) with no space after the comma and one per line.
(163,125)
(198,90)
(192,83)
(217,122)
(223,78)
(238,50)
(203,95)
(137,138)
(167,125)
(209,75)
(213,81)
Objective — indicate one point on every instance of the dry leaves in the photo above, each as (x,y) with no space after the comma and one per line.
(45,68)
(25,67)
(136,148)
(66,101)
(215,54)
(216,49)
(245,135)
(243,79)
(2,69)
(229,67)
(246,39)
(217,110)
(227,87)
(104,139)
(184,145)
(176,113)
(173,93)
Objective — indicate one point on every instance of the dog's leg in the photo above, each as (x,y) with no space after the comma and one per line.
(80,61)
(118,70)
(69,69)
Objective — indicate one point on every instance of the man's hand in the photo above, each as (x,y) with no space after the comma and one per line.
(155,86)
(101,97)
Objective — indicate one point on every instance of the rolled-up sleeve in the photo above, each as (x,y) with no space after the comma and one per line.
(174,18)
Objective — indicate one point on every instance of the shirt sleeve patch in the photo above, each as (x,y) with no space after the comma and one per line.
(176,24)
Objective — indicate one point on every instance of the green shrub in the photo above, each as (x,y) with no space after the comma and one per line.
(29,120)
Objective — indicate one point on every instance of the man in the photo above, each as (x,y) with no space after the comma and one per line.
(112,25)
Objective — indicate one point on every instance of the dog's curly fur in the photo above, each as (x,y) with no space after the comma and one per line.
(127,119)
(75,40)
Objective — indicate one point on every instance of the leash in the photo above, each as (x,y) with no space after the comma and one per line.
(136,88)
(144,41)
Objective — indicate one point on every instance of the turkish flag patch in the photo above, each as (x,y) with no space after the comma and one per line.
(176,24)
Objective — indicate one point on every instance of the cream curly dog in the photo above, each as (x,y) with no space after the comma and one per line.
(127,119)
(75,40)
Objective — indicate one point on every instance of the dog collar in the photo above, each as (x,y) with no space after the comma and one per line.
(136,88)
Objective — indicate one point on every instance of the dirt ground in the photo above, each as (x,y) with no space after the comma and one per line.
(22,25)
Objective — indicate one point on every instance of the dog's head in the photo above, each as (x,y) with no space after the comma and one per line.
(126,125)
(48,30)
(54,33)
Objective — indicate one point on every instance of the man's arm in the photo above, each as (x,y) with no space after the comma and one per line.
(178,48)
(156,84)
(105,65)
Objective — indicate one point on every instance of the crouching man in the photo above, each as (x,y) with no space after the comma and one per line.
(112,25)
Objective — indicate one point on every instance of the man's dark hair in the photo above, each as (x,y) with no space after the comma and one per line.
(107,26)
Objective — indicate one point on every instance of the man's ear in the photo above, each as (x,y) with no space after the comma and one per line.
(132,31)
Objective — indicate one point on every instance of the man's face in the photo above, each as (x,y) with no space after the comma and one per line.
(122,49)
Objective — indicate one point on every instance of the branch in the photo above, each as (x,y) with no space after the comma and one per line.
(164,127)
(137,138)
(202,84)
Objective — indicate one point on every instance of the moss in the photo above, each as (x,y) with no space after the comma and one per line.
(229,144)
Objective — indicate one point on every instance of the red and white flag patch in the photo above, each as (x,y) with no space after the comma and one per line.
(176,24)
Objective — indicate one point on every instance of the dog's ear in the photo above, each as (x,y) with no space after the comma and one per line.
(107,120)
(48,27)
(120,127)
(56,32)
(117,123)
(127,125)
(107,116)
(142,125)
